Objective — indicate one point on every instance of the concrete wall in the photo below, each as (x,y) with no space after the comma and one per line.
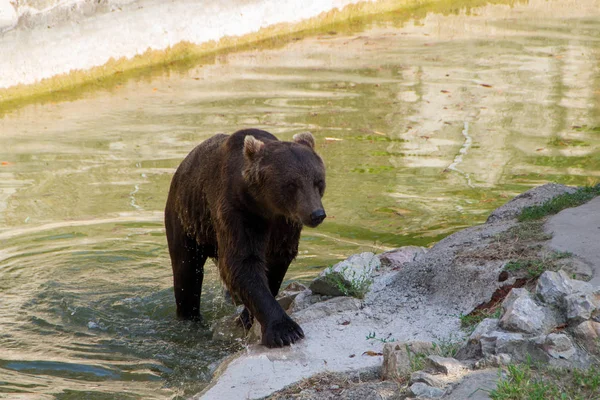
(43,38)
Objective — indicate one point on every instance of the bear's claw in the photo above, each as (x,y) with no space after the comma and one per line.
(282,333)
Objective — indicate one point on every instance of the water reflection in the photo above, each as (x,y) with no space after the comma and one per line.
(424,130)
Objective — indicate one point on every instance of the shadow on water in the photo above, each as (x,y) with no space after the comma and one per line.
(424,127)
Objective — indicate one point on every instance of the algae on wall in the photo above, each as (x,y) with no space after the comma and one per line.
(185,54)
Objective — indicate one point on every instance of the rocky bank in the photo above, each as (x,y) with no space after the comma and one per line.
(401,336)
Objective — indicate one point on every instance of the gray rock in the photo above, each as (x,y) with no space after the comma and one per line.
(580,306)
(475,386)
(519,347)
(354,272)
(553,287)
(588,334)
(493,360)
(305,299)
(366,391)
(522,314)
(420,389)
(227,329)
(558,345)
(428,379)
(446,365)
(471,349)
(498,342)
(286,296)
(329,307)
(576,268)
(532,197)
(485,326)
(398,257)
(397,357)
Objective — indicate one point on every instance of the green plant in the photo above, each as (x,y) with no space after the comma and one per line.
(357,286)
(417,360)
(533,268)
(541,382)
(469,321)
(447,347)
(558,203)
(373,336)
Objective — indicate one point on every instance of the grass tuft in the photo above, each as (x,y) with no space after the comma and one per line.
(469,321)
(558,203)
(529,382)
(358,286)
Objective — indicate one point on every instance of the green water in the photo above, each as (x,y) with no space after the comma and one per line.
(424,129)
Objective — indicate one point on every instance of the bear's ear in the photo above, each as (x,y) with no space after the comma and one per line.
(252,146)
(305,138)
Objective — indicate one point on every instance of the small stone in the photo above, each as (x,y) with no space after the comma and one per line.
(493,360)
(498,342)
(294,287)
(580,306)
(588,333)
(485,326)
(354,272)
(289,293)
(558,345)
(420,389)
(472,349)
(428,379)
(403,255)
(446,365)
(305,299)
(397,357)
(522,314)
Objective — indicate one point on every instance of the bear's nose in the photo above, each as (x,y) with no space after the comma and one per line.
(316,217)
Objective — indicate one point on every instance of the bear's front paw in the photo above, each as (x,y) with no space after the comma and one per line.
(245,320)
(282,333)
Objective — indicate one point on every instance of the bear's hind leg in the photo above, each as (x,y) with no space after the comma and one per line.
(188,274)
(187,260)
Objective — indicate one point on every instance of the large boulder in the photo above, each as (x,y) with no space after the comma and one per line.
(349,277)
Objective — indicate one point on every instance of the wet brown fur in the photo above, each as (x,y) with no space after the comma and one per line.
(243,200)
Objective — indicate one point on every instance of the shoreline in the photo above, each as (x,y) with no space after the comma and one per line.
(418,296)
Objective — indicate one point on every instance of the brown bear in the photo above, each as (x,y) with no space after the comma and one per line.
(243,200)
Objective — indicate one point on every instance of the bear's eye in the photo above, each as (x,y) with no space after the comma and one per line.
(320,184)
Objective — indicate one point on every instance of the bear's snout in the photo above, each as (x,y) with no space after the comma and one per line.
(316,217)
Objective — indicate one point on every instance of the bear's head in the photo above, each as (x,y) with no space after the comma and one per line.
(286,178)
